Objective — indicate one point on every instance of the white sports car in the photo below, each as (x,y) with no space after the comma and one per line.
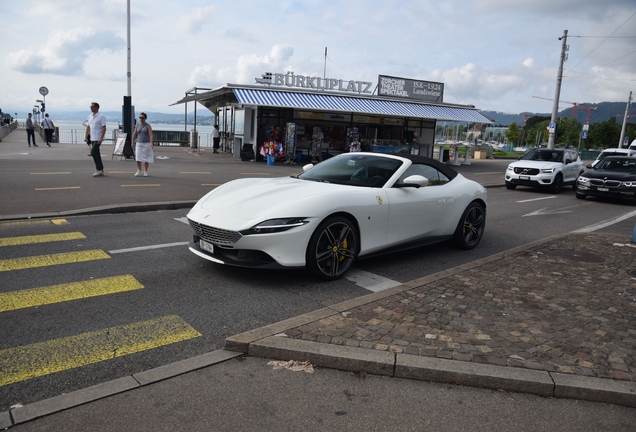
(350,206)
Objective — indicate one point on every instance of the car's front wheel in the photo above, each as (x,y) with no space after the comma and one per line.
(511,186)
(333,248)
(557,184)
(580,195)
(470,228)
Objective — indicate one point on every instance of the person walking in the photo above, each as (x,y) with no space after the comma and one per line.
(143,143)
(95,133)
(48,126)
(30,131)
(215,139)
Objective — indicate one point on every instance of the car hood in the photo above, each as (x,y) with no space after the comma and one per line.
(536,164)
(612,175)
(252,198)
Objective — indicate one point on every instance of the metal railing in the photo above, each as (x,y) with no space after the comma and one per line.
(7,129)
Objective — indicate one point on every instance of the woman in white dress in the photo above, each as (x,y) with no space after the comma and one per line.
(143,143)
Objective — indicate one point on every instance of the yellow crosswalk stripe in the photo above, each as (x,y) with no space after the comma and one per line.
(35,222)
(52,259)
(42,238)
(66,292)
(44,358)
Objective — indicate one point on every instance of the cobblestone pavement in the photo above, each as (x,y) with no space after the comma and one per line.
(567,305)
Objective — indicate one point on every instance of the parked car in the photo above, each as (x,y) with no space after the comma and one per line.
(350,206)
(545,168)
(612,177)
(614,152)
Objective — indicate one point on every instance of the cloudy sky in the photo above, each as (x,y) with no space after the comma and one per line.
(494,54)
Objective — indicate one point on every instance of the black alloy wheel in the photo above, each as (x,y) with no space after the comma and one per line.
(470,228)
(558,183)
(511,186)
(333,248)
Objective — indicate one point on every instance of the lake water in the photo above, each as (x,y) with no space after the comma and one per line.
(74,131)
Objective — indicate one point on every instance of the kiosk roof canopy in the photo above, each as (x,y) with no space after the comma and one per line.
(330,102)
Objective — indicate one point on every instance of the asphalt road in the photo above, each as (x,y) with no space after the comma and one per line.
(219,301)
(210,302)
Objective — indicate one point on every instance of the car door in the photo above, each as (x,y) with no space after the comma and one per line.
(419,212)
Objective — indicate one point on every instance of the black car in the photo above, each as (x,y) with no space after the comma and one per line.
(612,177)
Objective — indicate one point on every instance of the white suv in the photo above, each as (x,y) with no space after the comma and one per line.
(545,168)
(614,152)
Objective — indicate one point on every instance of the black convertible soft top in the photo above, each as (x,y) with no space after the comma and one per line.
(445,169)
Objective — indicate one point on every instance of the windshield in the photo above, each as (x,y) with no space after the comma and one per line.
(625,165)
(354,170)
(544,155)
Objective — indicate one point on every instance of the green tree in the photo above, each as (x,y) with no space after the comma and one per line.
(512,134)
(568,131)
(604,134)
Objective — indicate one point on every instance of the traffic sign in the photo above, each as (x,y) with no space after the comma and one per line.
(584,134)
(552,127)
(586,127)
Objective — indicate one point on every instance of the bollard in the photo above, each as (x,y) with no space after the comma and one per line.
(466,161)
(456,156)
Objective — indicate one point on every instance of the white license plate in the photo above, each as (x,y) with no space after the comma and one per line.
(524,177)
(209,247)
(602,189)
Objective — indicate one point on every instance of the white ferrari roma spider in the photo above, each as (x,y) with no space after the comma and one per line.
(350,206)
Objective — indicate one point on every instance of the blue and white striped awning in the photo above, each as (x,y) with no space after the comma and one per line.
(356,105)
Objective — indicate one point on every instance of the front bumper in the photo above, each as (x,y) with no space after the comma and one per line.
(539,180)
(235,257)
(616,192)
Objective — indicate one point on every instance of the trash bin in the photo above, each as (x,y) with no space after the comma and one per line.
(446,155)
(299,156)
(271,159)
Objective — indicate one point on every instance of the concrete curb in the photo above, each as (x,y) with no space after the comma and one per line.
(271,342)
(63,402)
(108,209)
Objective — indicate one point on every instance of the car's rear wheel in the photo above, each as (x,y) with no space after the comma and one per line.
(511,186)
(333,248)
(557,184)
(470,228)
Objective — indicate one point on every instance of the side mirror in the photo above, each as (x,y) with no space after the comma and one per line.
(589,166)
(416,181)
(307,167)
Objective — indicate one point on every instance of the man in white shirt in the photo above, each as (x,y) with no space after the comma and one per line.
(95,133)
(48,126)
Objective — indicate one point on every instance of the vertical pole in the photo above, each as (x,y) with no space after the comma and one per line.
(557,91)
(629,101)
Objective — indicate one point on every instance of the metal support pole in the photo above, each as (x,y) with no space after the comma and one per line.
(557,91)
(620,141)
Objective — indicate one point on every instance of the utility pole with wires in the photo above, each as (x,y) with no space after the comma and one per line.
(629,102)
(557,91)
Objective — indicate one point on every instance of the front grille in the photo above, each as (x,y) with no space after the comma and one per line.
(527,171)
(215,235)
(607,183)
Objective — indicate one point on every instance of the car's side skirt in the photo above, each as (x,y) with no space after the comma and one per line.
(405,246)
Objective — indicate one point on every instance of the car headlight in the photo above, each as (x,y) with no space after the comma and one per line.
(629,183)
(510,168)
(275,226)
(547,170)
(583,180)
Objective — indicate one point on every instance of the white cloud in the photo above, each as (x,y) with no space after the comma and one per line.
(64,52)
(528,62)
(193,22)
(246,69)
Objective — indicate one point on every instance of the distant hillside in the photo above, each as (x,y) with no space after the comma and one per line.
(602,111)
